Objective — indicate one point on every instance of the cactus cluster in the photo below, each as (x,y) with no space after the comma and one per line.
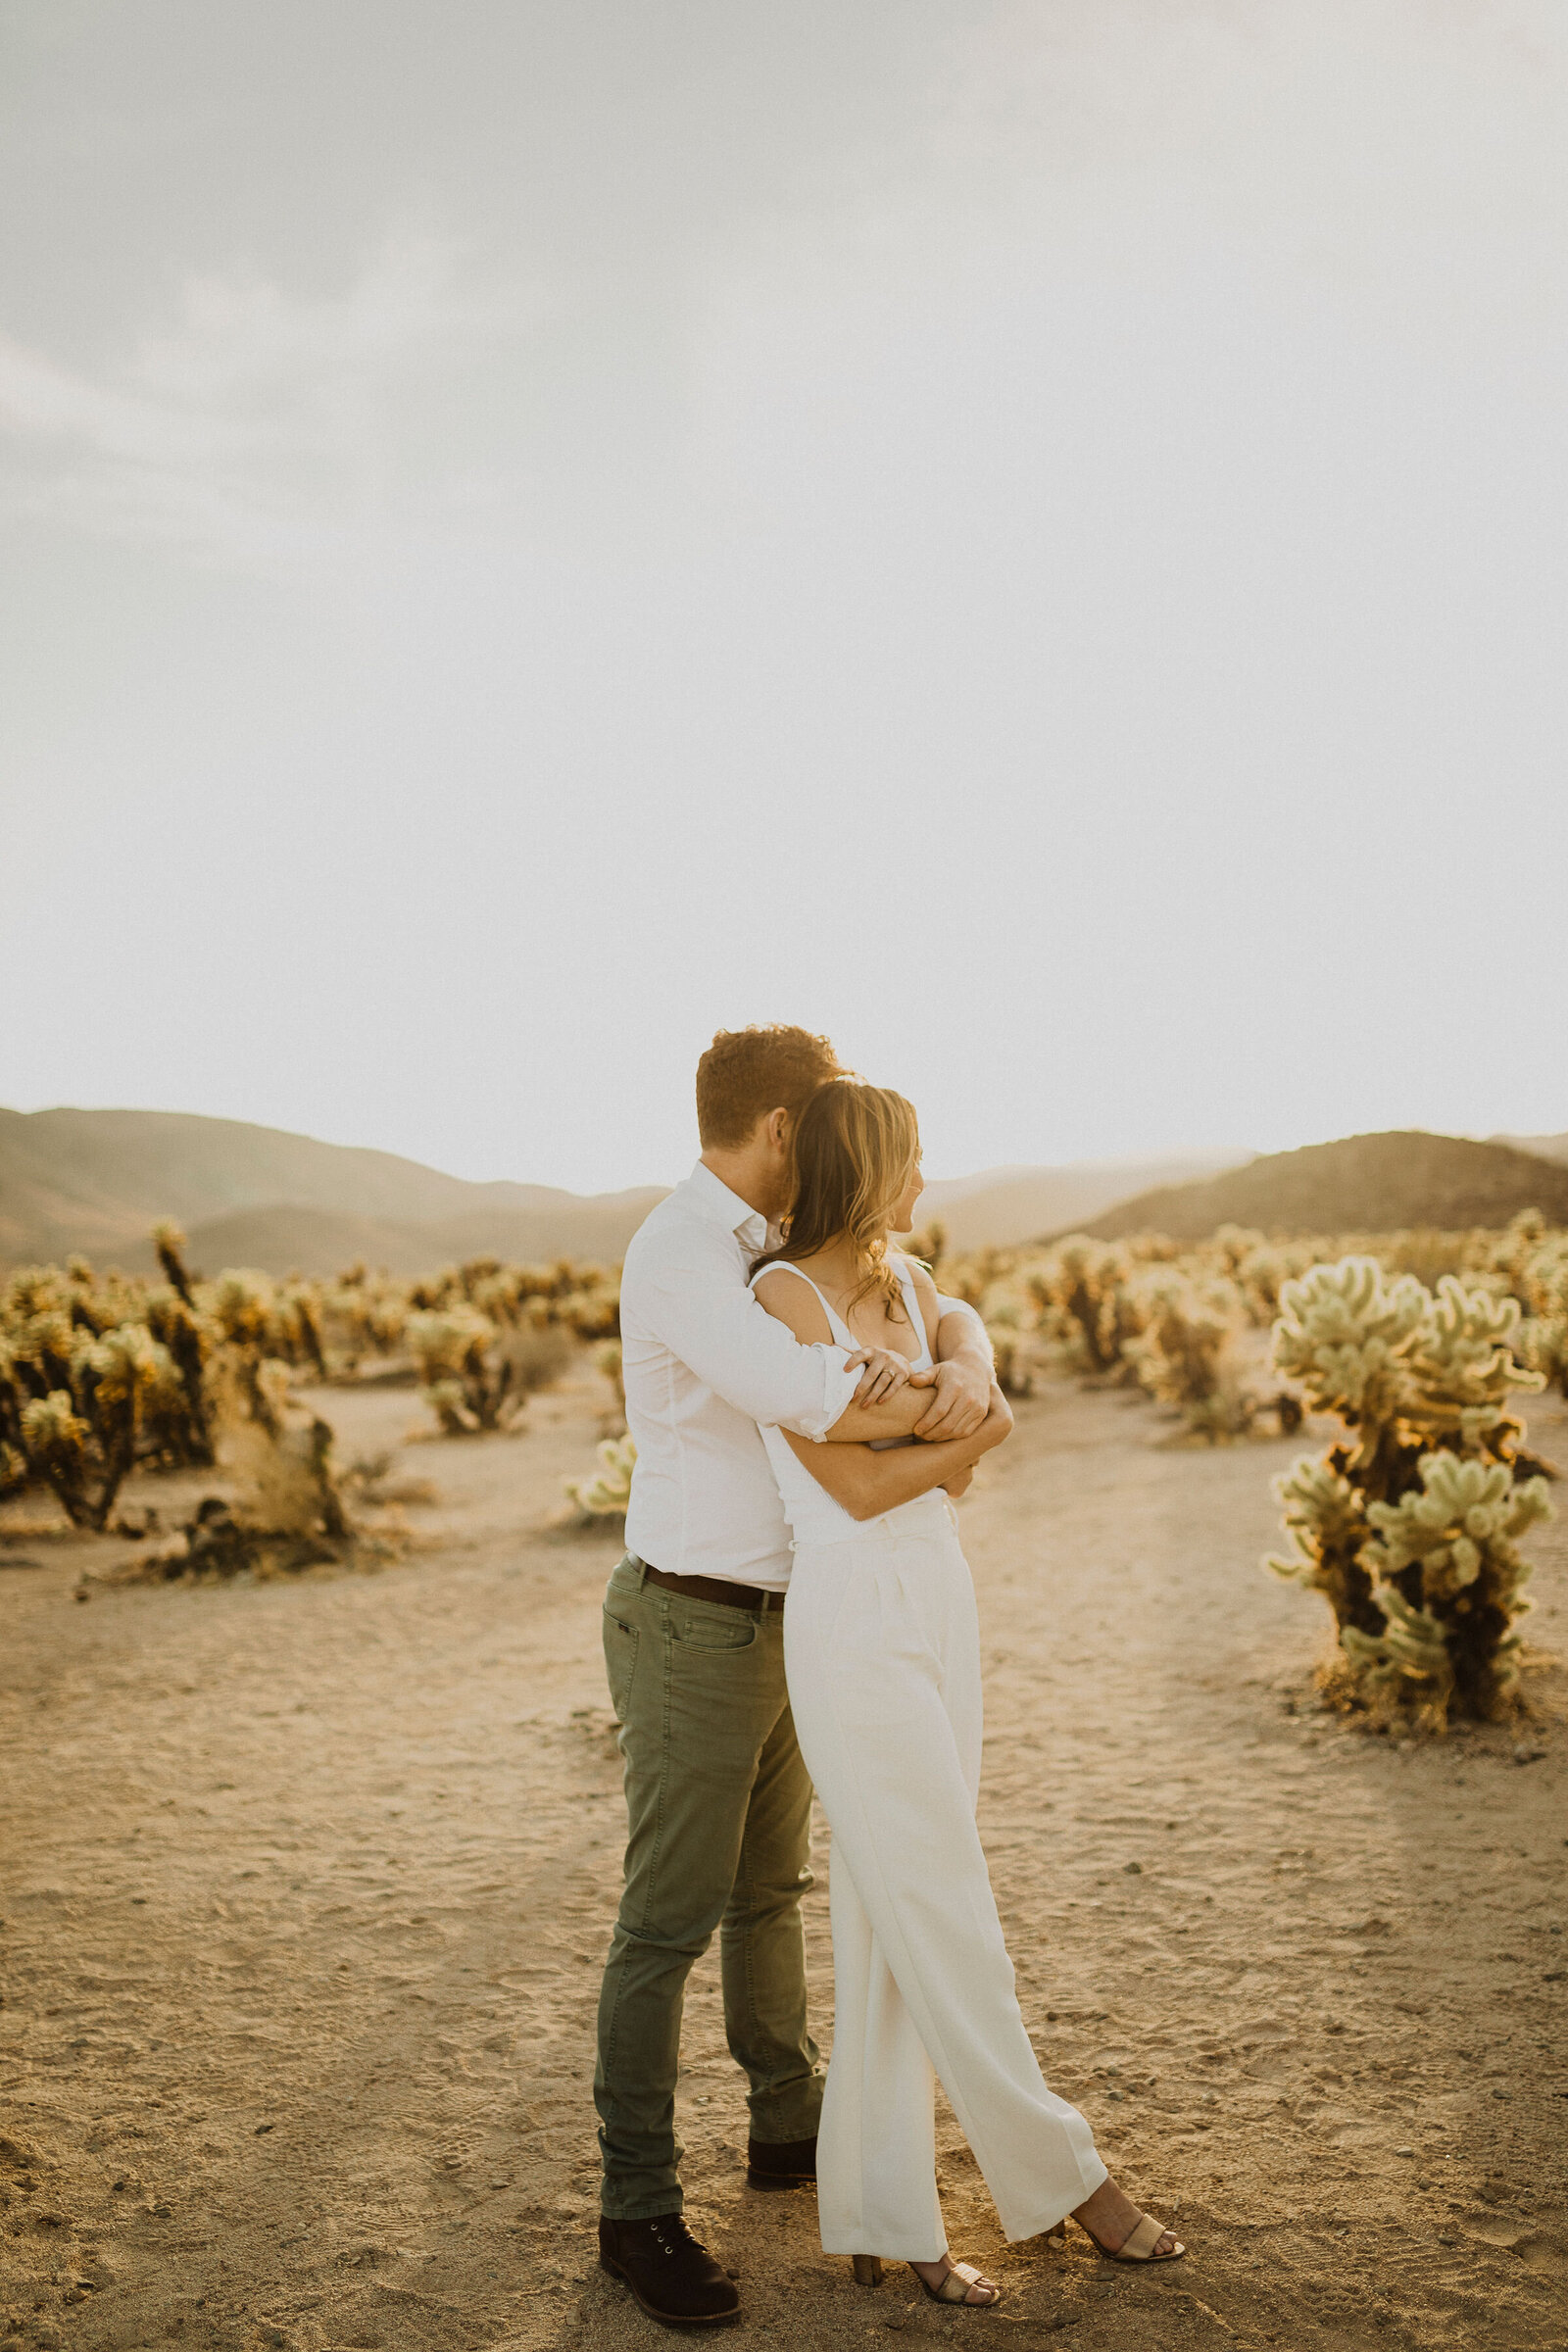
(96,1377)
(1134,1312)
(103,1375)
(607,1493)
(479,1374)
(1176,1321)
(1409,1525)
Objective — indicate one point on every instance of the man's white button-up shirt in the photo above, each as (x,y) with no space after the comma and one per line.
(703,1365)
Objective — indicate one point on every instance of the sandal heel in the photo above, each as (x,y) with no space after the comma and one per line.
(868,2270)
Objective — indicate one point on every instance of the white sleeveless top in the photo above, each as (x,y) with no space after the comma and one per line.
(812,1514)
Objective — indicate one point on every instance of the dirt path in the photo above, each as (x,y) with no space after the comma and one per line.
(307,1887)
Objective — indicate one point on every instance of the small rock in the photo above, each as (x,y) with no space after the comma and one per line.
(1527,1755)
(1404,2151)
(1133,1870)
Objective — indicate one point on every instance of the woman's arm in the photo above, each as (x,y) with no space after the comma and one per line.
(894,1414)
(867,1484)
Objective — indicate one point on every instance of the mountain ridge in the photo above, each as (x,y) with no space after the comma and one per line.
(96,1182)
(1358,1184)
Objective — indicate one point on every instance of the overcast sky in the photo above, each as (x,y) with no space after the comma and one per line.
(1028,536)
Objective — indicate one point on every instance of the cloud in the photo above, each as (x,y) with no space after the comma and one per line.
(259,422)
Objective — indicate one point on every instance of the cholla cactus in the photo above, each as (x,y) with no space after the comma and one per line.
(929,1246)
(1450,1585)
(169,1243)
(1344,1333)
(1183,1353)
(1263,1272)
(1081,1288)
(476,1378)
(608,1493)
(183,1434)
(608,1360)
(1410,1532)
(1541,1285)
(453,1349)
(81,1438)
(362,1314)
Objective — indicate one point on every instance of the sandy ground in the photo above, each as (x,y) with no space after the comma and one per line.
(309,1884)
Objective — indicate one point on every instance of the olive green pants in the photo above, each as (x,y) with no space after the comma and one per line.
(718,1812)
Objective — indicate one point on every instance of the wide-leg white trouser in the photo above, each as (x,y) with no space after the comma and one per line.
(882,1652)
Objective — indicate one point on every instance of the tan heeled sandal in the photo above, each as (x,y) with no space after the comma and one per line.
(1140,2242)
(955,2287)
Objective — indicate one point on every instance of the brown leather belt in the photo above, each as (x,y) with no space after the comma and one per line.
(714,1588)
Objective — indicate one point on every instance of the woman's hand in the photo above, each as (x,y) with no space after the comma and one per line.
(886,1371)
(958,1483)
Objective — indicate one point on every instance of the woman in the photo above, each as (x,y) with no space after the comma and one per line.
(882,1653)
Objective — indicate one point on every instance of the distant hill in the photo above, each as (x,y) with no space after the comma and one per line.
(1545,1146)
(1363,1184)
(1003,1207)
(97,1180)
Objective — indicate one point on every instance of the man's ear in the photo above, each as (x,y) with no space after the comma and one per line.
(776,1127)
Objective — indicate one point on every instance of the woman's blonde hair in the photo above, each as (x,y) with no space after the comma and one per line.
(854,1149)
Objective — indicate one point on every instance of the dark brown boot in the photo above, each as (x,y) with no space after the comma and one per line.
(781,2163)
(676,2280)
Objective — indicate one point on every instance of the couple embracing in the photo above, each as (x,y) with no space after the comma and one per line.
(794,1607)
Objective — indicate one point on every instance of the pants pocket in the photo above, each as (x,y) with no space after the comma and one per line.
(724,1630)
(621,1661)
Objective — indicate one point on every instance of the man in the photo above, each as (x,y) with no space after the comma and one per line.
(718,1801)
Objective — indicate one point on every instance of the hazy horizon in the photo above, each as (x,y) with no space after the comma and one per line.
(1025,536)
(1134,1162)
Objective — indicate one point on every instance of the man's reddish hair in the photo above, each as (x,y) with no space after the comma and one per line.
(748,1073)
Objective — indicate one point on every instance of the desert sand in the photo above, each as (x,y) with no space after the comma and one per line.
(307,1885)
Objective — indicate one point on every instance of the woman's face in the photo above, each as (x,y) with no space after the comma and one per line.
(903,1217)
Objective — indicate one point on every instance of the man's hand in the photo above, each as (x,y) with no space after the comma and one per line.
(960,1403)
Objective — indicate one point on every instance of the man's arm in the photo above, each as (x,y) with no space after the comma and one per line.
(787,1300)
(866,1483)
(965,1367)
(698,1309)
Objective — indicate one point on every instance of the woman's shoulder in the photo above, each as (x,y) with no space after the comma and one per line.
(917,1270)
(778,1265)
(795,1301)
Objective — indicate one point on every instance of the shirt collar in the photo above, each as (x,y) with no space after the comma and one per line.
(728,1209)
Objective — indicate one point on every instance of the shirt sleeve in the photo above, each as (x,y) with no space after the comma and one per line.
(947,1307)
(707,1315)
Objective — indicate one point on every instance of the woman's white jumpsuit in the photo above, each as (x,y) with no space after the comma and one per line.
(882,1652)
